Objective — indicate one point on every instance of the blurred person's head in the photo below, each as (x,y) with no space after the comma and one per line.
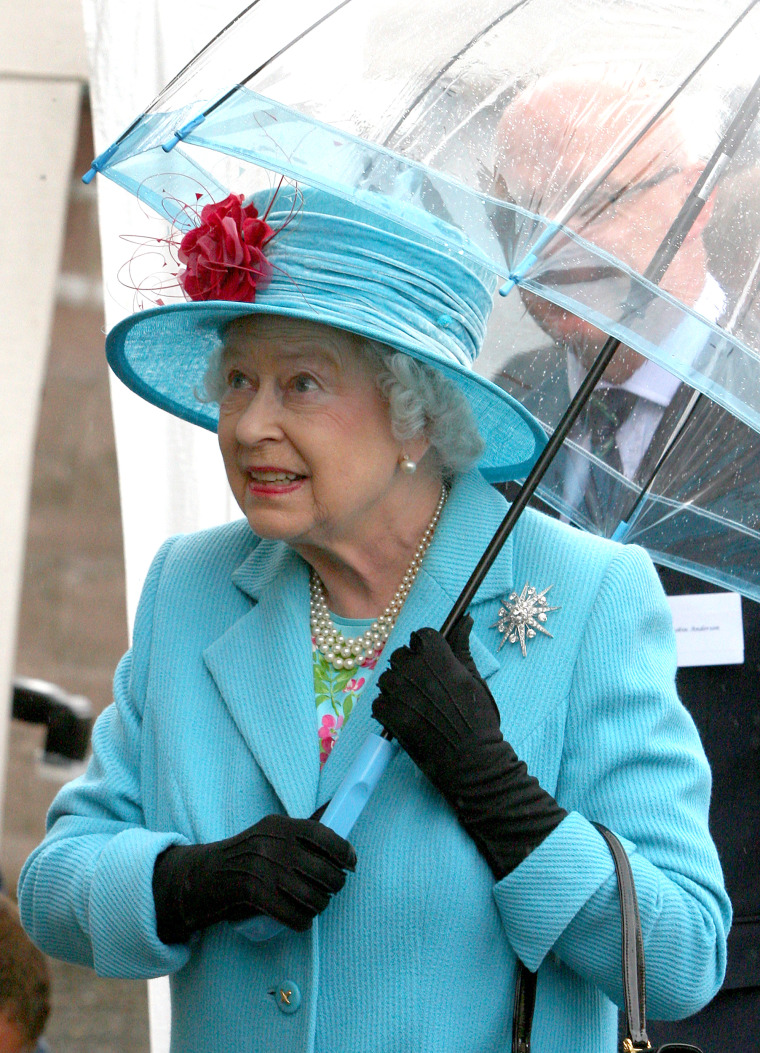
(733,238)
(554,143)
(24,985)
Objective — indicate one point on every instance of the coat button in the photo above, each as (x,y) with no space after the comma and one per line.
(288,997)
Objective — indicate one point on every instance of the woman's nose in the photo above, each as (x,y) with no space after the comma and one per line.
(260,420)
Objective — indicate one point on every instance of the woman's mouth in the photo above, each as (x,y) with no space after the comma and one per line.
(272,480)
(271,475)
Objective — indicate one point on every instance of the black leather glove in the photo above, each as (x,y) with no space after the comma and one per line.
(286,868)
(433,700)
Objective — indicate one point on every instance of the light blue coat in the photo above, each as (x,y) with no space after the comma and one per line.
(214,726)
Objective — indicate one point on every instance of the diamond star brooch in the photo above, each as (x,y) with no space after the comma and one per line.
(520,617)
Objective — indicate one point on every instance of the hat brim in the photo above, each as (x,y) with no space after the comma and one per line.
(162,355)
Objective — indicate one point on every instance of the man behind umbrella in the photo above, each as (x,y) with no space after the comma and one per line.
(549,137)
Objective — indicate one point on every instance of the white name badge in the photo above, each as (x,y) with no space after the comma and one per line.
(709,628)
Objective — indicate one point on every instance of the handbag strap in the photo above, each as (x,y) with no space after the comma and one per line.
(525,1000)
(634,986)
(634,976)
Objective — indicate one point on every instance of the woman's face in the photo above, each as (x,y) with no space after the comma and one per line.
(305,433)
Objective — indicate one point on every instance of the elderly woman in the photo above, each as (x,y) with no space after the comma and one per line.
(357,442)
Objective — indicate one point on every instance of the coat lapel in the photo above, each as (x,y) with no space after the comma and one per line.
(263,665)
(263,668)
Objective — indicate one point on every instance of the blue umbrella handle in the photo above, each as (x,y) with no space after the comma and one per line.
(340,815)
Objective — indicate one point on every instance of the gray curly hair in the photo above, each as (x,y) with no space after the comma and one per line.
(421,400)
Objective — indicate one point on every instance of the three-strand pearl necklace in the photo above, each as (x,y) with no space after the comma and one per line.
(347,652)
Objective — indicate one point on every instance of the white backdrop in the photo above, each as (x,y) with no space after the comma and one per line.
(170,473)
(41,78)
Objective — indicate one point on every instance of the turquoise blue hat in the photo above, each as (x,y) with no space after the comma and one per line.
(341,264)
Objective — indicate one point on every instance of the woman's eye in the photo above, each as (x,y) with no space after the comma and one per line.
(236,380)
(303,383)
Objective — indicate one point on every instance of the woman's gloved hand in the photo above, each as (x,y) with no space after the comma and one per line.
(286,868)
(433,700)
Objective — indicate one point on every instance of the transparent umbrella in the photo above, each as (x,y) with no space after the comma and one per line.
(410,105)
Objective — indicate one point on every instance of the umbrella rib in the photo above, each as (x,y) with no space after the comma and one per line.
(700,192)
(296,39)
(694,203)
(272,58)
(206,47)
(691,408)
(676,506)
(455,58)
(258,69)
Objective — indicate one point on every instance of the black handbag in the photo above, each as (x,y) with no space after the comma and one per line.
(633,971)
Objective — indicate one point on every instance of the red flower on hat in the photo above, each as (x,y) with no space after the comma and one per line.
(223,255)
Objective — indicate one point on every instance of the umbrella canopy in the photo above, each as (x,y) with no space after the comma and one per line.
(404,101)
(408,104)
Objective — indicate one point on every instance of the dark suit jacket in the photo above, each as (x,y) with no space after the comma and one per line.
(725,704)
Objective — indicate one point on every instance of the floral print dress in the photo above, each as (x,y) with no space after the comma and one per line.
(336,690)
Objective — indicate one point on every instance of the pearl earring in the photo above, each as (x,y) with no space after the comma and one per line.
(407,465)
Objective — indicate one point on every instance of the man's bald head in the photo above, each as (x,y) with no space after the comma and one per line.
(571,126)
(585,147)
